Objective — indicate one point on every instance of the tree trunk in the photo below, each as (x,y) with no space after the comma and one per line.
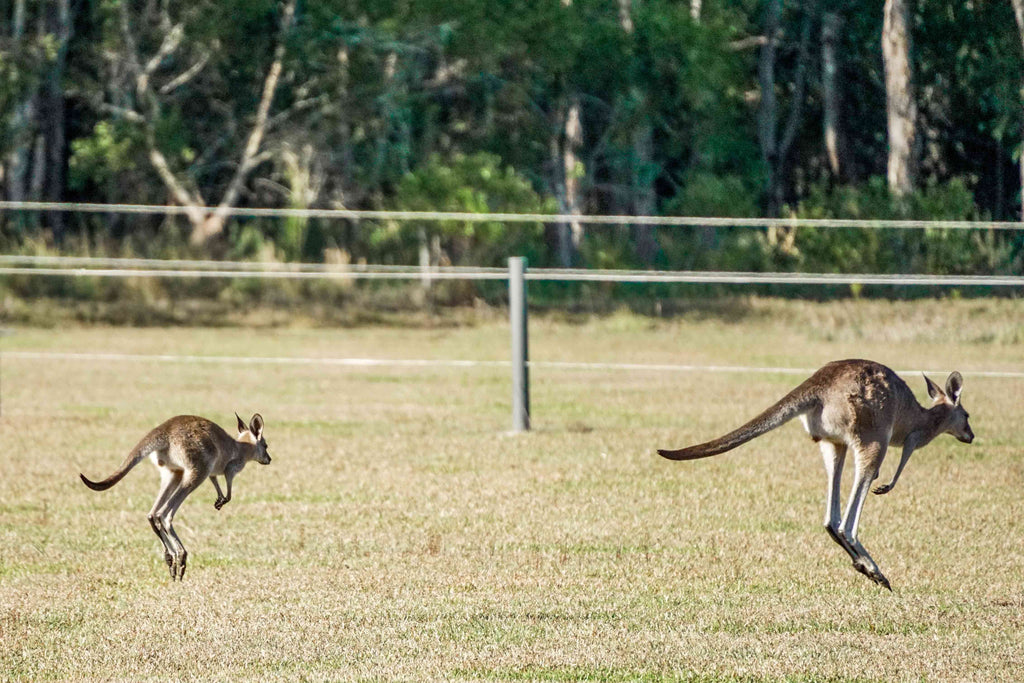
(773,148)
(566,146)
(830,93)
(626,15)
(641,179)
(901,106)
(54,112)
(37,179)
(768,112)
(345,152)
(571,234)
(16,179)
(644,236)
(1018,12)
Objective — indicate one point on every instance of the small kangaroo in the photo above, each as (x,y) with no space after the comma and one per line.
(186,450)
(863,406)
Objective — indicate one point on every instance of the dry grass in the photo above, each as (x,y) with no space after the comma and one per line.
(400,534)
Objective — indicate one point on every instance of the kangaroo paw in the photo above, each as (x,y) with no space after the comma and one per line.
(884,488)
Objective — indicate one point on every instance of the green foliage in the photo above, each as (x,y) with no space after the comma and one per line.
(707,194)
(934,250)
(721,196)
(460,105)
(23,64)
(466,184)
(101,157)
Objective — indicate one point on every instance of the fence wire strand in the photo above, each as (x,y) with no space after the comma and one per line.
(449,363)
(126,268)
(360,214)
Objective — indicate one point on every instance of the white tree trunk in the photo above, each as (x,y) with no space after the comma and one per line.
(830,25)
(568,171)
(573,170)
(626,15)
(901,106)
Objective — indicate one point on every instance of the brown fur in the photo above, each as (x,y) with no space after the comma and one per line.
(859,405)
(187,450)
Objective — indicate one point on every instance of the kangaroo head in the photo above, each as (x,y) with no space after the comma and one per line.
(955,415)
(253,434)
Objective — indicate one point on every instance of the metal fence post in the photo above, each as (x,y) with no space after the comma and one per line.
(520,350)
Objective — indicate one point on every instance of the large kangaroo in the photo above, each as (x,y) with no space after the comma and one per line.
(188,449)
(858,405)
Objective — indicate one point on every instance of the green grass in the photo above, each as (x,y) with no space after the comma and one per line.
(402,534)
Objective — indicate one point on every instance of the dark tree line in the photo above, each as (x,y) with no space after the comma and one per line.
(892,108)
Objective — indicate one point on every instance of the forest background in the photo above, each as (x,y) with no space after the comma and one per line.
(724,108)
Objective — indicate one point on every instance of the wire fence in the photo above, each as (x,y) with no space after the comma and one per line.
(360,214)
(114,267)
(193,269)
(71,266)
(328,361)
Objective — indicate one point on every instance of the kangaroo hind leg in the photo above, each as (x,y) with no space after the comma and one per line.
(189,483)
(868,460)
(169,482)
(834,455)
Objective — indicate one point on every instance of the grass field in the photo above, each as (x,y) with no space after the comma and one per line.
(401,534)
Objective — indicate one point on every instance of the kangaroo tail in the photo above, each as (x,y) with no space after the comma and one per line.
(794,403)
(152,441)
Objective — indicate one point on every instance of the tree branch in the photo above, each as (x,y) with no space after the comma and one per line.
(191,202)
(170,43)
(123,112)
(747,43)
(185,76)
(250,159)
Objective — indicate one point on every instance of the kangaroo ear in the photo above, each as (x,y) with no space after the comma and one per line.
(954,387)
(256,426)
(241,425)
(933,389)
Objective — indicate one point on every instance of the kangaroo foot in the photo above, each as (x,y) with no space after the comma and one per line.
(838,537)
(181,566)
(872,572)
